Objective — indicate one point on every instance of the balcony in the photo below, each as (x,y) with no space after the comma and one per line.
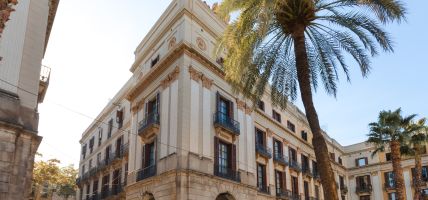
(315,174)
(282,193)
(281,159)
(227,173)
(223,121)
(389,186)
(149,127)
(294,165)
(307,171)
(294,196)
(93,171)
(96,197)
(343,189)
(117,189)
(264,189)
(364,189)
(105,192)
(45,74)
(264,151)
(146,173)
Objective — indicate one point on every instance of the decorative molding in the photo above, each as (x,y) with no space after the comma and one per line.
(241,105)
(172,42)
(170,78)
(374,173)
(206,82)
(248,110)
(269,133)
(194,74)
(201,43)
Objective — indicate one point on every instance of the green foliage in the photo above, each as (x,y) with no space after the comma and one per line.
(418,137)
(391,126)
(260,42)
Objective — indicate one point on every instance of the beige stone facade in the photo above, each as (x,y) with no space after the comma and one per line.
(23,84)
(191,137)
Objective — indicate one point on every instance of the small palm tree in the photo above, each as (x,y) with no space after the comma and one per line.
(291,44)
(391,130)
(415,146)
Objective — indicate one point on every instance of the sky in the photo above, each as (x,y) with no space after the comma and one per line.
(91,49)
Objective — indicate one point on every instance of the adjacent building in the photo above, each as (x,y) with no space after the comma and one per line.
(23,85)
(176,130)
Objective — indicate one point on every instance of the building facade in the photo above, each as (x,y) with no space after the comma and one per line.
(23,85)
(189,136)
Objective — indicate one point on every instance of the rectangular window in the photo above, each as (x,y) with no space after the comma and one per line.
(88,192)
(84,151)
(314,167)
(305,135)
(119,143)
(95,188)
(100,136)
(277,148)
(280,182)
(292,154)
(306,190)
(305,162)
(125,181)
(98,158)
(332,156)
(361,162)
(388,156)
(340,160)
(154,61)
(90,164)
(116,180)
(276,116)
(149,155)
(363,182)
(224,107)
(105,186)
(294,186)
(260,137)
(108,152)
(389,179)
(261,176)
(291,126)
(110,128)
(83,170)
(341,182)
(392,196)
(119,118)
(91,144)
(261,105)
(224,157)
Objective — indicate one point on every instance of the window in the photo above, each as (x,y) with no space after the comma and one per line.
(280,182)
(314,167)
(88,191)
(84,151)
(91,144)
(83,169)
(108,152)
(291,126)
(110,128)
(363,182)
(100,136)
(340,160)
(365,197)
(388,157)
(224,107)
(317,192)
(119,118)
(332,156)
(424,173)
(392,196)
(293,154)
(90,164)
(154,61)
(361,162)
(261,176)
(276,116)
(305,163)
(95,188)
(306,189)
(126,174)
(294,185)
(341,182)
(119,142)
(304,135)
(261,105)
(223,157)
(277,148)
(116,180)
(260,137)
(149,155)
(389,179)
(98,158)
(105,186)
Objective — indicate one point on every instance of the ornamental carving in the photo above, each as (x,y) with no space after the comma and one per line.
(241,105)
(170,78)
(201,43)
(248,110)
(172,42)
(206,82)
(194,74)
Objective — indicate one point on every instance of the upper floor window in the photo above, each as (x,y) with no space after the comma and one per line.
(119,143)
(305,135)
(280,182)
(100,136)
(291,126)
(276,116)
(341,182)
(388,157)
(224,158)
(361,162)
(294,185)
(261,105)
(340,160)
(110,128)
(277,148)
(108,152)
(119,117)
(389,179)
(392,196)
(363,182)
(90,164)
(261,176)
(332,156)
(154,61)
(152,106)
(84,151)
(305,162)
(98,158)
(293,154)
(149,155)
(91,144)
(424,173)
(314,166)
(260,137)
(83,169)
(224,106)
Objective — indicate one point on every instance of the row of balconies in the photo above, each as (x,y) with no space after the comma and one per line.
(288,194)
(103,164)
(107,193)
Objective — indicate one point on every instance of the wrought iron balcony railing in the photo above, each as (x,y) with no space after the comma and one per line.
(264,189)
(364,188)
(146,172)
(389,186)
(307,171)
(227,173)
(315,174)
(151,119)
(282,193)
(281,159)
(343,189)
(295,165)
(294,196)
(263,150)
(224,121)
(117,189)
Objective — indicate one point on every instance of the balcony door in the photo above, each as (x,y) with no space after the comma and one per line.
(224,157)
(152,106)
(149,158)
(280,182)
(306,190)
(277,149)
(224,108)
(293,154)
(294,186)
(260,137)
(118,145)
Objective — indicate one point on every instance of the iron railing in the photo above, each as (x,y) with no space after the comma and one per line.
(263,150)
(295,165)
(227,173)
(117,189)
(307,170)
(281,159)
(146,172)
(364,188)
(282,193)
(389,186)
(223,120)
(151,119)
(264,189)
(315,174)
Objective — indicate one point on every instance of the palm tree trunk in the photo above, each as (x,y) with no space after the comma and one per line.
(318,141)
(418,173)
(398,171)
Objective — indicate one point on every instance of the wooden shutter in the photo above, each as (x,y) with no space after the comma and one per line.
(233,157)
(146,110)
(231,109)
(366,160)
(356,162)
(217,97)
(216,151)
(157,103)
(143,157)
(385,174)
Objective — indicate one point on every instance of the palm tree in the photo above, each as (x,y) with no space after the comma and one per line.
(293,43)
(415,146)
(391,130)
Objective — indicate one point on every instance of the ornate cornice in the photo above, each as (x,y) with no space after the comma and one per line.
(206,82)
(241,105)
(170,78)
(194,74)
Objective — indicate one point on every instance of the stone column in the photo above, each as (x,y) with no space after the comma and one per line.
(408,184)
(270,173)
(243,135)
(164,116)
(376,186)
(299,160)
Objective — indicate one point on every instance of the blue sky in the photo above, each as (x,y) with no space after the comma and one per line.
(91,50)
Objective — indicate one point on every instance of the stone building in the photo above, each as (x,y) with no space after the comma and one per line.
(23,84)
(189,136)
